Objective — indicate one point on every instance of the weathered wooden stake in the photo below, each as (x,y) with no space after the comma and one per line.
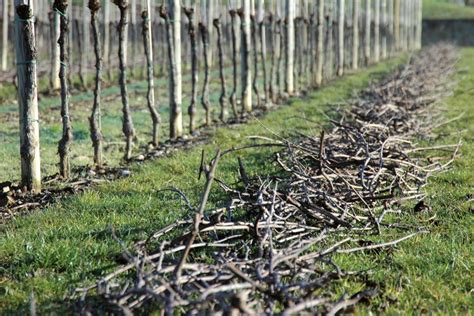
(86,36)
(419,27)
(176,118)
(384,22)
(106,52)
(396,25)
(290,47)
(4,35)
(27,96)
(355,34)
(95,118)
(175,20)
(233,95)
(80,53)
(367,31)
(340,46)
(244,14)
(391,30)
(376,31)
(320,46)
(54,80)
(263,49)
(274,49)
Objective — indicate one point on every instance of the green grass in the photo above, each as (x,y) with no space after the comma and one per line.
(442,9)
(69,244)
(432,273)
(80,106)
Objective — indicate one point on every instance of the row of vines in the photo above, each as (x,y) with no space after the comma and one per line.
(273,49)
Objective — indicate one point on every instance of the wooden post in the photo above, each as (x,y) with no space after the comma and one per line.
(367,31)
(355,34)
(127,123)
(176,117)
(263,49)
(396,25)
(210,17)
(330,17)
(86,36)
(340,37)
(5,21)
(133,37)
(60,7)
(403,42)
(383,8)
(175,10)
(106,52)
(233,95)
(320,46)
(27,96)
(55,83)
(419,25)
(376,31)
(246,72)
(290,47)
(391,28)
(95,118)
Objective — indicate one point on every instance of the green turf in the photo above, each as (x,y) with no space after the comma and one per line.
(433,273)
(442,9)
(69,244)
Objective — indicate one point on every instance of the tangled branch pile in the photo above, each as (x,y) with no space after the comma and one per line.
(271,249)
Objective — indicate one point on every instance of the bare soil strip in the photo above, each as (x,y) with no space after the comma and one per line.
(271,247)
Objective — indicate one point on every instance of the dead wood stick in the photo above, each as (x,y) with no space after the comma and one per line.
(382,245)
(198,216)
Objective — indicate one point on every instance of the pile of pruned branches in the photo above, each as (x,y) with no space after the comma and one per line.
(271,248)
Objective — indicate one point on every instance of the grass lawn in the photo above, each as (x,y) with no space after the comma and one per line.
(442,9)
(69,244)
(81,103)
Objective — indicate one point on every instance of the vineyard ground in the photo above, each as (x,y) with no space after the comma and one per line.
(69,244)
(81,102)
(442,9)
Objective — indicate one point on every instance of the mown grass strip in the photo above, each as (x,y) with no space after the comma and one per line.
(69,244)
